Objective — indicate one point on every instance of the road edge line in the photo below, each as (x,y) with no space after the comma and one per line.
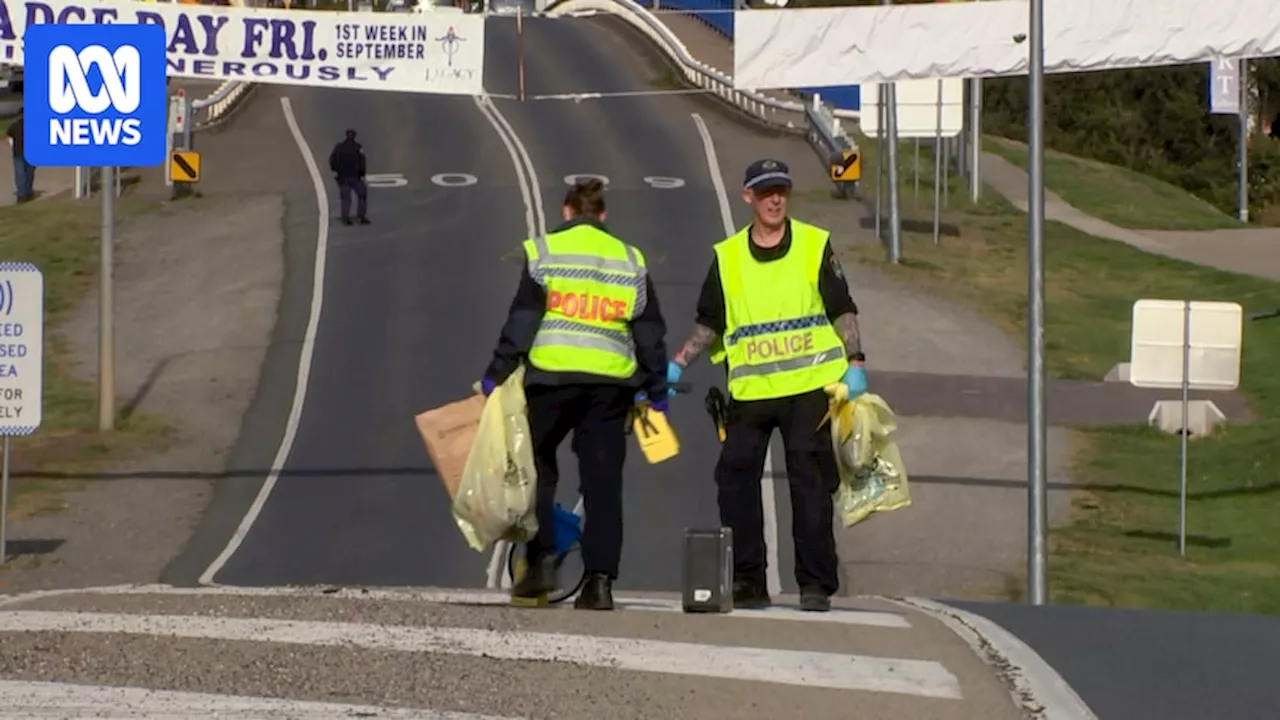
(536,224)
(304,357)
(1035,686)
(768,496)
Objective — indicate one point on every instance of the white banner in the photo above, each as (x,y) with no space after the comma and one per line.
(408,52)
(854,45)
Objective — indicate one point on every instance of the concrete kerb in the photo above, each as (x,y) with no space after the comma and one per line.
(1035,686)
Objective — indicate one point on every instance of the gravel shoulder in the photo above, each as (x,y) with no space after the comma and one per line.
(196,287)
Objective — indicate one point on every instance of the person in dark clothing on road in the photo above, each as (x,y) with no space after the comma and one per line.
(24,173)
(775,307)
(586,321)
(348,166)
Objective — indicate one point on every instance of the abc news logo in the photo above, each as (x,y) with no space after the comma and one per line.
(69,91)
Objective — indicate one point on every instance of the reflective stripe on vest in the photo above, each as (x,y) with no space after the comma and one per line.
(630,272)
(566,332)
(591,297)
(778,340)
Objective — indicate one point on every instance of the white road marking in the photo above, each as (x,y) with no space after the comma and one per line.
(662,182)
(386,180)
(23,700)
(454,179)
(839,616)
(304,357)
(923,678)
(574,178)
(536,221)
(1035,684)
(773,577)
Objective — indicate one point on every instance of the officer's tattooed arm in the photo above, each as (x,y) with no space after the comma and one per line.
(697,344)
(847,328)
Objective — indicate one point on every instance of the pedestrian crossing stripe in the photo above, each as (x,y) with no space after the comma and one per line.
(41,699)
(184,166)
(848,168)
(803,668)
(778,612)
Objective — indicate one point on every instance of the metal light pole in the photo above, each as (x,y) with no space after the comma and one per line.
(890,130)
(895,207)
(1037,469)
(975,138)
(1242,201)
(106,332)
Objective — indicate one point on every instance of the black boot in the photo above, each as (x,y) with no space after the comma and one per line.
(814,600)
(538,580)
(597,593)
(750,595)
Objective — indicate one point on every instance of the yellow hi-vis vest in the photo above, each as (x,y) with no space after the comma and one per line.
(777,338)
(595,285)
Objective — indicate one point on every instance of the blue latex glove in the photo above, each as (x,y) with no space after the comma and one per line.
(855,378)
(661,405)
(487,386)
(674,371)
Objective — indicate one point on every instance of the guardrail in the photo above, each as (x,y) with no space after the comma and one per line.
(718,15)
(828,138)
(785,113)
(213,109)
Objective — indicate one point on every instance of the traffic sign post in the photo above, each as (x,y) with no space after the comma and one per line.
(847,167)
(184,166)
(1224,87)
(180,141)
(21,366)
(1185,344)
(1229,95)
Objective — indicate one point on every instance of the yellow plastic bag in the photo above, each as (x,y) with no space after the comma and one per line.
(872,476)
(495,498)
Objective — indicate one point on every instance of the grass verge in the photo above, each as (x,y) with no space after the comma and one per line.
(1120,549)
(1118,195)
(61,238)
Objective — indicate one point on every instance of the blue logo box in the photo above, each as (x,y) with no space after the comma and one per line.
(95,95)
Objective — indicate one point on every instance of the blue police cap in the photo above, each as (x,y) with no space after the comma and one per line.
(765,174)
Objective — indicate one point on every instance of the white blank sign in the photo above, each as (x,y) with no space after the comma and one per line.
(1155,353)
(917,108)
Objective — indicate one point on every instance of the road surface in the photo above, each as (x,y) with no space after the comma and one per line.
(410,307)
(377,324)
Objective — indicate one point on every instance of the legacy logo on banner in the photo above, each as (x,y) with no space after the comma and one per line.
(419,52)
(95,95)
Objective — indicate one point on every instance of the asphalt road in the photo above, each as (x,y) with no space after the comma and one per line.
(1151,665)
(413,303)
(411,309)
(627,139)
(405,304)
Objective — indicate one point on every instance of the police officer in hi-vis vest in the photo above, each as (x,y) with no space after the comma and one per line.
(776,307)
(586,320)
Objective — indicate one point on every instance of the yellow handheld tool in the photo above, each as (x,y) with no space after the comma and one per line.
(654,434)
(657,440)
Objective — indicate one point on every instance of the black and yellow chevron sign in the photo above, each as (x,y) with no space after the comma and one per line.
(848,168)
(184,166)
